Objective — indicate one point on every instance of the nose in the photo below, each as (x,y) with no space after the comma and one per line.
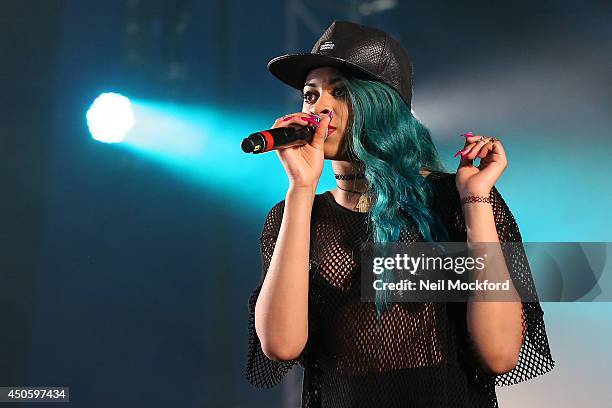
(318,112)
(321,110)
(322,106)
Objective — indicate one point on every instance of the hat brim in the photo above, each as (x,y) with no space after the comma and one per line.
(292,69)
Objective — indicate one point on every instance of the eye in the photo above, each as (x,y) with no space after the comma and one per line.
(307,96)
(340,92)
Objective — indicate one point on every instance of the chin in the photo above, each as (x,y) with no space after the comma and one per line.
(334,151)
(335,155)
(330,156)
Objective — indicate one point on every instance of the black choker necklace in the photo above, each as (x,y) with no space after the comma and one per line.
(349,176)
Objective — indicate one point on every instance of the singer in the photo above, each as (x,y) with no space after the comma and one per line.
(391,187)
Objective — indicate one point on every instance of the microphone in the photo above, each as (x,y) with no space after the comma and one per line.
(267,140)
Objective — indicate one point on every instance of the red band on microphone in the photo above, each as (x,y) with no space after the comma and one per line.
(269,141)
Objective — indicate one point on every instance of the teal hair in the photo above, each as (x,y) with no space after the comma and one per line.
(393,146)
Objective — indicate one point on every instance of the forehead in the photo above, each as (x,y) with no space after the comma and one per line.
(322,75)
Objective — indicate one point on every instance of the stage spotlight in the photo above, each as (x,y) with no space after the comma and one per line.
(110,117)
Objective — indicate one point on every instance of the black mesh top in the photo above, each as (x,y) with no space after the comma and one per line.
(422,356)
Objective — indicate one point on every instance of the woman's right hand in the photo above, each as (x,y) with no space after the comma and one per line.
(303,163)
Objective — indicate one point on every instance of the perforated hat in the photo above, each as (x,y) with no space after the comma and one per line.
(355,49)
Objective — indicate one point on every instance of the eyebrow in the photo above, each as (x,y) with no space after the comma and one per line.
(331,82)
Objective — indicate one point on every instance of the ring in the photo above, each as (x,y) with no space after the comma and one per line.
(491,139)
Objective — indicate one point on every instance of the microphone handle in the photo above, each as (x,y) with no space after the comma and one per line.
(267,140)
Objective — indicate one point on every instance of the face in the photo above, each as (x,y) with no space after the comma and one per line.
(323,92)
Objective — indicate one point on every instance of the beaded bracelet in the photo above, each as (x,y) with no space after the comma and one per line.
(476,199)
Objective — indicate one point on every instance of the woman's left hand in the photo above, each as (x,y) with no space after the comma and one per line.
(471,180)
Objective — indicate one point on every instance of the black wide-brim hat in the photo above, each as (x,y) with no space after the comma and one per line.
(355,50)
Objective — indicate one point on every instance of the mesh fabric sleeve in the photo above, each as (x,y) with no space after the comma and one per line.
(262,371)
(535,357)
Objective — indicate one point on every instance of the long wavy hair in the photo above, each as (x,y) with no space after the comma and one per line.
(393,146)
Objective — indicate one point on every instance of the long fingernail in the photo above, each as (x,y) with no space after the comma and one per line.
(331,114)
(468,134)
(311,121)
(287,118)
(458,153)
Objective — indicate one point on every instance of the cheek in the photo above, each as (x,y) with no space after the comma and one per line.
(344,116)
(337,139)
(343,126)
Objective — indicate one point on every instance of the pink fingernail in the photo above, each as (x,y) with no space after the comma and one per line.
(311,121)
(468,134)
(287,118)
(331,114)
(459,152)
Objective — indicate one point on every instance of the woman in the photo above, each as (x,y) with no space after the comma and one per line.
(391,187)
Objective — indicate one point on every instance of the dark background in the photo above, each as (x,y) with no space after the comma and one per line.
(129,283)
